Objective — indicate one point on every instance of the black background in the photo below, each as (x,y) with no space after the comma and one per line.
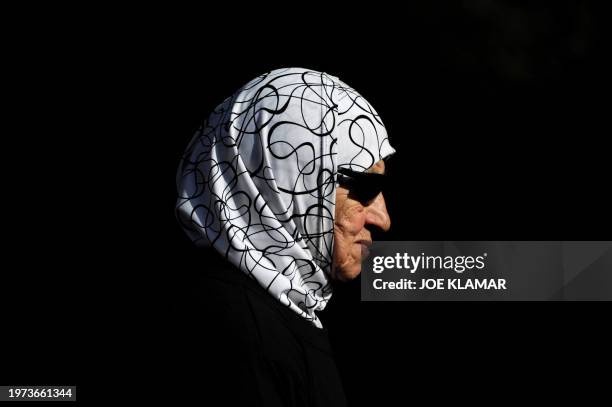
(499,112)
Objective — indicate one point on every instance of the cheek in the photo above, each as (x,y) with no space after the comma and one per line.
(348,226)
(352,220)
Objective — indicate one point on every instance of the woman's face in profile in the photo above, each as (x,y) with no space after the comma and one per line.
(352,237)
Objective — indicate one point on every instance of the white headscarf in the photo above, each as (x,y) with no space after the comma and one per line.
(257,181)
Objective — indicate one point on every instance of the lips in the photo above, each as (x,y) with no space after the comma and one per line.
(365,248)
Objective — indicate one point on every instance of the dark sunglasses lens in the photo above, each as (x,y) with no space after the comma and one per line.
(366,194)
(364,187)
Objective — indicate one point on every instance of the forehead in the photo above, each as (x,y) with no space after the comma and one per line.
(378,168)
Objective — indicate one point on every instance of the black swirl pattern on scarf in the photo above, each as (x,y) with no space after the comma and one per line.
(257,181)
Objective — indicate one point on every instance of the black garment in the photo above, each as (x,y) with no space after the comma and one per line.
(245,348)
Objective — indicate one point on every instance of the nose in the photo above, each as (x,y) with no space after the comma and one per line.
(377,215)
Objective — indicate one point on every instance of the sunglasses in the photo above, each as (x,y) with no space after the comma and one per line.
(364,186)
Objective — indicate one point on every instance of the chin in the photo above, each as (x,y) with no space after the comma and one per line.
(348,273)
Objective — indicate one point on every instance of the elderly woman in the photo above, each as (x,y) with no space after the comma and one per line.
(284,184)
